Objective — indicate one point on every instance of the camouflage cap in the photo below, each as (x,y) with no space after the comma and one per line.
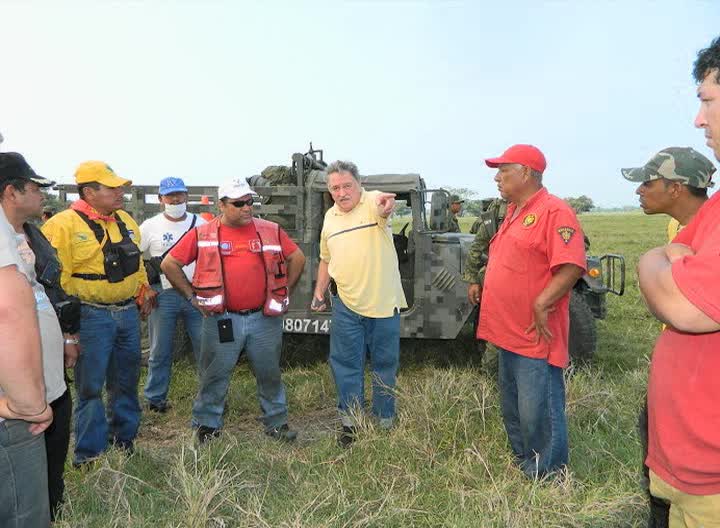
(455,198)
(682,164)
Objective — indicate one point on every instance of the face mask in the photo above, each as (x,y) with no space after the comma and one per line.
(175,210)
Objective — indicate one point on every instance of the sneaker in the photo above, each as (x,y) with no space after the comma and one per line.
(347,436)
(204,434)
(283,433)
(160,408)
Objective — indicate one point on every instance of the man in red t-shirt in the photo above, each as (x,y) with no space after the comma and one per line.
(679,283)
(235,313)
(535,258)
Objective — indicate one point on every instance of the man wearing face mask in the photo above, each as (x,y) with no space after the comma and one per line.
(158,235)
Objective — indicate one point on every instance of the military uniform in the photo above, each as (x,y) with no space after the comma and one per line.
(453,223)
(484,228)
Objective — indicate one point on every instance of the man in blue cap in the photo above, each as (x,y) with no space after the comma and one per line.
(159,234)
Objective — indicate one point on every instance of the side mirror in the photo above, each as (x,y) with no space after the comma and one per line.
(439,211)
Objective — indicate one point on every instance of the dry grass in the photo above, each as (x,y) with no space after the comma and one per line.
(446,463)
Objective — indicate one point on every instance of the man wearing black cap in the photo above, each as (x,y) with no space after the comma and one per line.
(537,255)
(20,200)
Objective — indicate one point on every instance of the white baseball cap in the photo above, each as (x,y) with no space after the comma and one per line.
(234,189)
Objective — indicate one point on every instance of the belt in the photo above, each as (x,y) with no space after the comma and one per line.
(245,312)
(120,305)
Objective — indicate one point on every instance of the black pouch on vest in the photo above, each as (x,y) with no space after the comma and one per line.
(113,266)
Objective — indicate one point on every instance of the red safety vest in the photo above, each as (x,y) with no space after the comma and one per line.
(208,277)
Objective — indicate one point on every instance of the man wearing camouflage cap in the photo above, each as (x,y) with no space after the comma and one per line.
(673,182)
(679,284)
(455,208)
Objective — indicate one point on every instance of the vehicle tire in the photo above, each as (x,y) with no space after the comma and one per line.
(583,331)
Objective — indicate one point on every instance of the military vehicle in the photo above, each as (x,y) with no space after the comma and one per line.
(430,259)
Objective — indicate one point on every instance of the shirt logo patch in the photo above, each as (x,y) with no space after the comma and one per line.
(82,237)
(529,220)
(226,247)
(255,245)
(566,233)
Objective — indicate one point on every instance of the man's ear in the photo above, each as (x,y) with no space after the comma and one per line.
(677,189)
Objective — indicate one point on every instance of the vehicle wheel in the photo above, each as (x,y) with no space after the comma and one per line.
(583,332)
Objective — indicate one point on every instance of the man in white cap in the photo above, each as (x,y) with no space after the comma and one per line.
(245,268)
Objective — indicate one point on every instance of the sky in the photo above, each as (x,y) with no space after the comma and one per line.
(210,90)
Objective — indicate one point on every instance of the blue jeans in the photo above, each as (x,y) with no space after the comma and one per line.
(532,399)
(161,330)
(351,337)
(23,477)
(110,356)
(261,338)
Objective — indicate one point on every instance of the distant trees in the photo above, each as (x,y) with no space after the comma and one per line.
(581,204)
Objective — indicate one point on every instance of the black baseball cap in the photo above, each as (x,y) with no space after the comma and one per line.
(13,166)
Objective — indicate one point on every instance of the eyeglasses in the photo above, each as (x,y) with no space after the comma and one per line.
(240,203)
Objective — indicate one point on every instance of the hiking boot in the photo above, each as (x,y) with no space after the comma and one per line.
(160,408)
(282,433)
(347,436)
(204,434)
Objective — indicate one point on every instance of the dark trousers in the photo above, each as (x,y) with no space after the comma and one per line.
(57,440)
(659,509)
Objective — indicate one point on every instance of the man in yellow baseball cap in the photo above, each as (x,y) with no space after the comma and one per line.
(98,245)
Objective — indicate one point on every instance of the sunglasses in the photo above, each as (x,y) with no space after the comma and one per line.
(242,203)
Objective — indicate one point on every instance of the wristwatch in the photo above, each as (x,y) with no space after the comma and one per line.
(72,341)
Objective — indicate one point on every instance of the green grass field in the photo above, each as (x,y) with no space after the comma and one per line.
(446,464)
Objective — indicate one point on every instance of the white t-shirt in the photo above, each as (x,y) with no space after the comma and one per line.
(51,336)
(14,250)
(158,234)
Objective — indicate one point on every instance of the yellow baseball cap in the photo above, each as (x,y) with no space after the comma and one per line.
(100,172)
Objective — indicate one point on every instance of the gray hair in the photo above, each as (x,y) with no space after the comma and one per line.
(343,166)
(537,175)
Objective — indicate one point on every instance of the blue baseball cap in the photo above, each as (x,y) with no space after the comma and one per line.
(171,185)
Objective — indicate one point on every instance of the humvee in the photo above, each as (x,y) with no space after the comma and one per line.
(430,258)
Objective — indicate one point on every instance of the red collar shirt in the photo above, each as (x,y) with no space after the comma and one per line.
(524,254)
(684,382)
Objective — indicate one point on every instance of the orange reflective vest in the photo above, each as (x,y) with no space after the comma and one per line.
(208,281)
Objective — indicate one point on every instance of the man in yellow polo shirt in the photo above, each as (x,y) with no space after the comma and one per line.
(357,252)
(97,244)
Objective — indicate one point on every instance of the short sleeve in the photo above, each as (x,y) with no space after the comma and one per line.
(145,236)
(324,251)
(185,251)
(8,243)
(565,239)
(287,244)
(696,277)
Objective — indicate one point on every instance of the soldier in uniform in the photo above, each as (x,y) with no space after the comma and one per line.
(455,208)
(484,229)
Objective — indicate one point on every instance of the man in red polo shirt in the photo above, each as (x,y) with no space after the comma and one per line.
(679,283)
(536,257)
